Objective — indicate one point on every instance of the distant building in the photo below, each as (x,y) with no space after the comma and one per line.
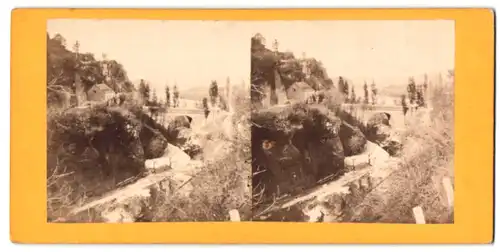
(100,92)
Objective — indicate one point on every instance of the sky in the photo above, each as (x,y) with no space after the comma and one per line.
(192,53)
(189,53)
(386,52)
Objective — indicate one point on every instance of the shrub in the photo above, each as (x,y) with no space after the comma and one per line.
(220,185)
(93,150)
(427,157)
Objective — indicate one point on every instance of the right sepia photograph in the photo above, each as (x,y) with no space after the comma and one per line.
(353,121)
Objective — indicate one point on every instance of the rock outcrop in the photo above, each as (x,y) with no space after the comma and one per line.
(108,147)
(334,201)
(168,174)
(379,131)
(295,146)
(353,140)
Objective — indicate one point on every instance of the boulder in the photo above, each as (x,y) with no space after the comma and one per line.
(321,133)
(108,147)
(387,138)
(154,136)
(295,146)
(103,147)
(380,132)
(173,158)
(373,155)
(183,137)
(381,118)
(273,169)
(353,140)
(189,142)
(177,124)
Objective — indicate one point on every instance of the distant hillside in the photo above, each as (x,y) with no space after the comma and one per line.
(194,93)
(392,90)
(396,90)
(199,92)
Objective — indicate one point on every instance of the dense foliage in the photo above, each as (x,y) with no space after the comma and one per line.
(65,66)
(267,64)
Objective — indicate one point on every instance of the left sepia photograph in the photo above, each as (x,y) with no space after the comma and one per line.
(147,121)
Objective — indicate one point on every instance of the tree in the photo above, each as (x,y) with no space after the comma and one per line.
(147,93)
(59,38)
(79,90)
(154,98)
(76,48)
(142,87)
(89,69)
(343,88)
(420,97)
(213,92)
(205,106)
(258,42)
(403,104)
(353,95)
(345,91)
(128,86)
(176,96)
(65,68)
(167,96)
(426,83)
(228,87)
(365,88)
(144,90)
(374,93)
(340,85)
(263,66)
(229,95)
(270,66)
(117,75)
(412,90)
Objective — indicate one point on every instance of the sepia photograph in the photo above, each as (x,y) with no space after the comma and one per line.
(353,121)
(320,121)
(148,121)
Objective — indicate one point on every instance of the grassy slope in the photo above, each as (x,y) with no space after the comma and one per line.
(427,158)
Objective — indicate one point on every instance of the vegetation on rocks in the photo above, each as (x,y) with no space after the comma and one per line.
(427,157)
(94,150)
(98,148)
(424,150)
(267,64)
